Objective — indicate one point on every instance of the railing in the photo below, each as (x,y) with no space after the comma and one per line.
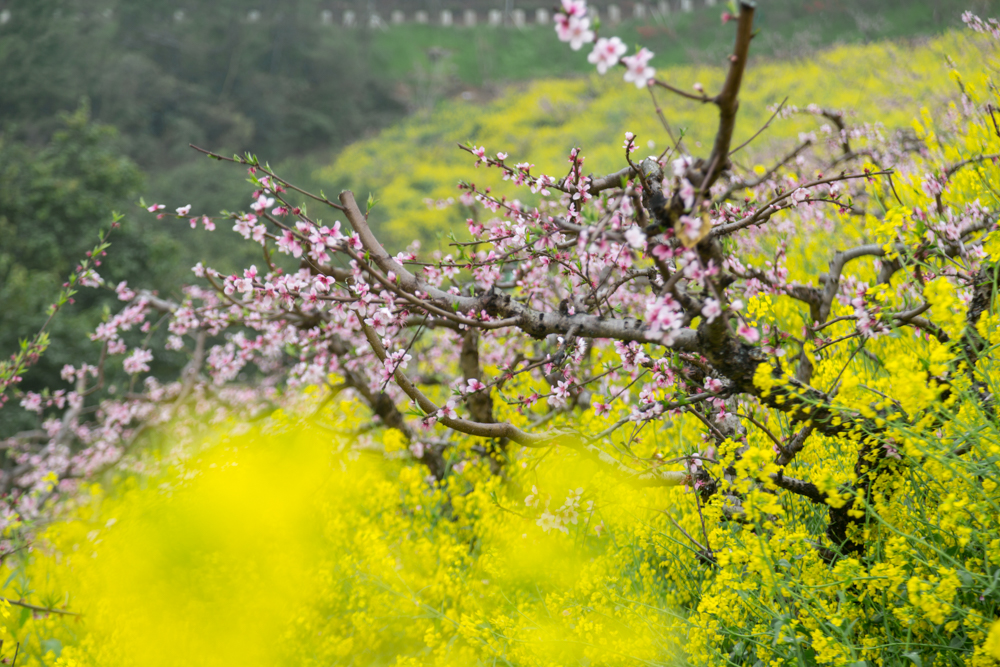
(467,18)
(517,18)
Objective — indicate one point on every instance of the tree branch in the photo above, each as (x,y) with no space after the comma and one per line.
(40,610)
(535,323)
(728,99)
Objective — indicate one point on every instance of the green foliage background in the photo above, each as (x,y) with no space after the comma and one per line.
(53,201)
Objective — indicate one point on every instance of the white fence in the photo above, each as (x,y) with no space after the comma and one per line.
(517,18)
(449,18)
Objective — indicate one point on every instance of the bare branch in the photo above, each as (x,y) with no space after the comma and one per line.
(799,487)
(611,180)
(758,132)
(953,169)
(766,175)
(270,173)
(767,210)
(40,610)
(495,430)
(701,97)
(728,99)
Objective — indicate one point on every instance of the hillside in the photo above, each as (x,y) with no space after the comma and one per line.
(541,121)
(788,29)
(297,91)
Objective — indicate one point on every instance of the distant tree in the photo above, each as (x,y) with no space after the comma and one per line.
(166,76)
(53,201)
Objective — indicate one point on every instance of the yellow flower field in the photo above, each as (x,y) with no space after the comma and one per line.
(540,122)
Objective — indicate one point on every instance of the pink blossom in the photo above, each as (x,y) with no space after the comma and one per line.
(665,317)
(988,27)
(799,196)
(629,144)
(289,244)
(748,333)
(123,292)
(105,331)
(681,165)
(713,385)
(397,360)
(262,203)
(631,354)
(662,252)
(687,193)
(560,394)
(635,237)
(184,210)
(323,283)
(32,402)
(489,272)
(932,185)
(575,29)
(380,320)
(712,309)
(155,207)
(90,278)
(244,225)
(691,226)
(138,361)
(606,53)
(473,385)
(638,69)
(574,7)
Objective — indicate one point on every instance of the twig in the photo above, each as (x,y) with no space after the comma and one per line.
(727,100)
(270,173)
(758,132)
(41,610)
